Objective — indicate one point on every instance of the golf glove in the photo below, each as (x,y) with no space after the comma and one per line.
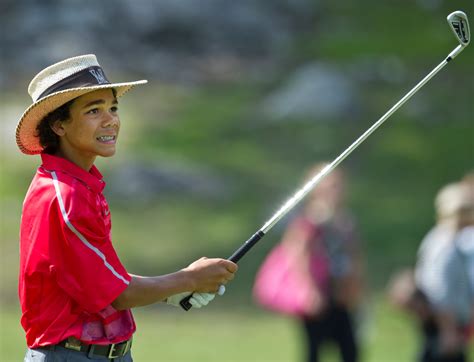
(198,300)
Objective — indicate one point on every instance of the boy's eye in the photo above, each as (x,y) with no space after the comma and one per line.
(114,109)
(93,111)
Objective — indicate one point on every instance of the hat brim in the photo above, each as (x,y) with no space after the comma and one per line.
(26,133)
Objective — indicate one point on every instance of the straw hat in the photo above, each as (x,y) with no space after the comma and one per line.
(57,85)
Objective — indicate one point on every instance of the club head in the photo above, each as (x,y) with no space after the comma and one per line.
(459,24)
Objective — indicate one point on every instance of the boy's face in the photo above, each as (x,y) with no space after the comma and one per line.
(92,129)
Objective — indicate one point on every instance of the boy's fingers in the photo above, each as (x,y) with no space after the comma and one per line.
(231,267)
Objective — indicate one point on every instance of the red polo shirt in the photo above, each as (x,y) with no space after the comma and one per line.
(69,271)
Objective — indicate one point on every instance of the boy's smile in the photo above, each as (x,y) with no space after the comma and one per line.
(92,129)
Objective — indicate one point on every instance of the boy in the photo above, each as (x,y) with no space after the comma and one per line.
(74,292)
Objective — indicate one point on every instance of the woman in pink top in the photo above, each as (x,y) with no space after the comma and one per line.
(326,244)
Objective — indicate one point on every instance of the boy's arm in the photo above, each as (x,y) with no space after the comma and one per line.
(204,275)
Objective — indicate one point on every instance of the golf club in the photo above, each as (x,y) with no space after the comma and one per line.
(460,27)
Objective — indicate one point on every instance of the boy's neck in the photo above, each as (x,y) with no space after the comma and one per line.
(84,163)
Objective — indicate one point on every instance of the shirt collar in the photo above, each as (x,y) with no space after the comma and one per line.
(93,178)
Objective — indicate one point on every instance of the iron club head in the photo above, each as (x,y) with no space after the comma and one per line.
(459,24)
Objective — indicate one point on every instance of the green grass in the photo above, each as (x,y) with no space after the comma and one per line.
(220,334)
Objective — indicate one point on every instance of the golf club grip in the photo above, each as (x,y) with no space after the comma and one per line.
(235,257)
(184,303)
(245,247)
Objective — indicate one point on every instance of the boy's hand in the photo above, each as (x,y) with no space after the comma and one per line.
(208,275)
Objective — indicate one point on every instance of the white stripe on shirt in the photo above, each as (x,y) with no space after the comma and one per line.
(79,235)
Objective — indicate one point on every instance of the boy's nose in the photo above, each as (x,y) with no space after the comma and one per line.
(111,120)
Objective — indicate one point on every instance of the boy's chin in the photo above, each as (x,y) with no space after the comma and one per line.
(108,153)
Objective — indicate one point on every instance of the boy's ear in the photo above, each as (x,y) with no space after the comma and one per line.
(58,128)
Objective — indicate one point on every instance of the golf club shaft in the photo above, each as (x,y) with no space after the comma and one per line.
(301,193)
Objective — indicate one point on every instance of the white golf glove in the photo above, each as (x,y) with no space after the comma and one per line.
(198,300)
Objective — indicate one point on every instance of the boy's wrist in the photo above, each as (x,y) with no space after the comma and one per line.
(189,281)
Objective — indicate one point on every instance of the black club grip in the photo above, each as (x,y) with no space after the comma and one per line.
(235,257)
(184,303)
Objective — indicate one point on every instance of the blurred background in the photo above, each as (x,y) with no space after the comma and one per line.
(243,97)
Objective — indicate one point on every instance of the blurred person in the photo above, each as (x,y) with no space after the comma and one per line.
(440,291)
(75,294)
(467,239)
(326,250)
(445,257)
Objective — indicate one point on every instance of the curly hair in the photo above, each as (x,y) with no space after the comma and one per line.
(49,140)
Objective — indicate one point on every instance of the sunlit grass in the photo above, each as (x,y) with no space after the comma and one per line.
(237,334)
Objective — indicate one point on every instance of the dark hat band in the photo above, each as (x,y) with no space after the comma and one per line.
(88,77)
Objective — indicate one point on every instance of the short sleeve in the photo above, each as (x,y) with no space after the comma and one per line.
(84,261)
